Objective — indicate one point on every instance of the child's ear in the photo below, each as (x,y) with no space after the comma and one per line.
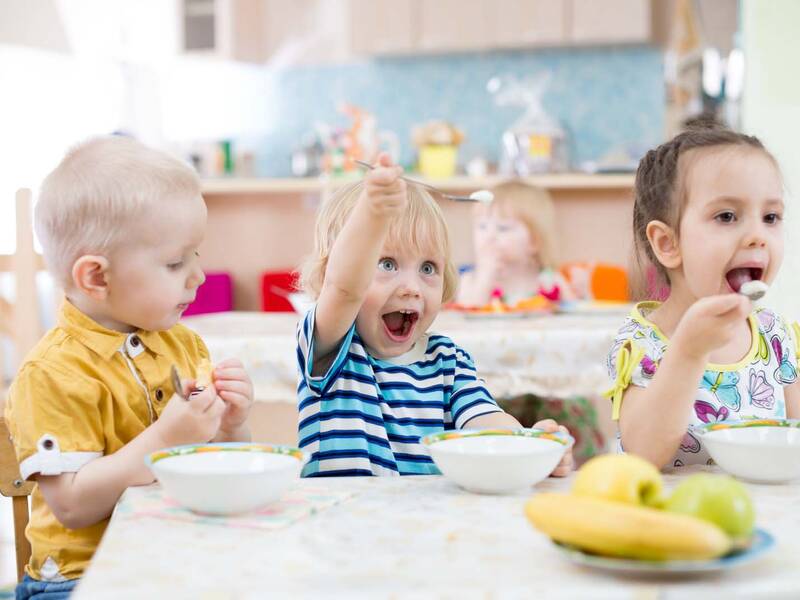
(89,276)
(664,242)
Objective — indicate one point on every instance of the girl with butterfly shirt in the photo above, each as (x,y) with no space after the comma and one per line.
(708,215)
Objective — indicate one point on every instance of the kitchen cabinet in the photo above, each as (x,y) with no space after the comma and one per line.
(230,29)
(608,22)
(519,24)
(383,26)
(324,31)
(452,25)
(437,26)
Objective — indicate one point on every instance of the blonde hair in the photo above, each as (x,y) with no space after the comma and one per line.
(534,207)
(421,226)
(89,201)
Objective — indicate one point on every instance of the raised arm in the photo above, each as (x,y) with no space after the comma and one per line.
(355,254)
(653,420)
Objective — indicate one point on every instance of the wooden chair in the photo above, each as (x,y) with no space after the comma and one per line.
(12,486)
(20,320)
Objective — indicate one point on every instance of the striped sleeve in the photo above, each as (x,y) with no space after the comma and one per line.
(318,385)
(469,398)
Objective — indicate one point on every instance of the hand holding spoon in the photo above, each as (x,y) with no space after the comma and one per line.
(484,196)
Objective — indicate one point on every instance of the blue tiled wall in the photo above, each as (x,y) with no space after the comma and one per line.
(606,97)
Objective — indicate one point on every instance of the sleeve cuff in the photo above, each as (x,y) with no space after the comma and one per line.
(49,460)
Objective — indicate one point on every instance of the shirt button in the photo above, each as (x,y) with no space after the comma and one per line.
(159,394)
(134,341)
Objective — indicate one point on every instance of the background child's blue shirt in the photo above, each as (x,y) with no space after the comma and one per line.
(750,388)
(365,416)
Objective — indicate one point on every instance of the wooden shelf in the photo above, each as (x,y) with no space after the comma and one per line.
(307,185)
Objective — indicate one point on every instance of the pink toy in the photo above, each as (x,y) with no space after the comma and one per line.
(215,295)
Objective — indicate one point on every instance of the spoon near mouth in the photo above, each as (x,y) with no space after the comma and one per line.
(754,289)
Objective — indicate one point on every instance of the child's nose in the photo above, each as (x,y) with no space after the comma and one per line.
(756,237)
(196,278)
(409,288)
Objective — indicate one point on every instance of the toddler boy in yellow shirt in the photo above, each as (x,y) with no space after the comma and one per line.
(120,225)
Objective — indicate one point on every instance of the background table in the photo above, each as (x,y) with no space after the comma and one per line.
(409,537)
(554,356)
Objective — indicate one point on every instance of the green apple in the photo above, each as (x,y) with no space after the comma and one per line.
(621,478)
(716,498)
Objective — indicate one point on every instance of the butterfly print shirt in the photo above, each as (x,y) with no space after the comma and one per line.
(750,388)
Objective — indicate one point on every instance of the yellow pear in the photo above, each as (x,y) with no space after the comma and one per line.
(620,478)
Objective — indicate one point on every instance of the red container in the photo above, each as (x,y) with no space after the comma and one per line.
(275,288)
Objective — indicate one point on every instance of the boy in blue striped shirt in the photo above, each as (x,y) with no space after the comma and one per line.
(373,380)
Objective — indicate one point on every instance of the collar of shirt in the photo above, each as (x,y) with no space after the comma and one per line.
(99,339)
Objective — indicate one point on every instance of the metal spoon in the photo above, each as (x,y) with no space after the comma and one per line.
(430,187)
(178,386)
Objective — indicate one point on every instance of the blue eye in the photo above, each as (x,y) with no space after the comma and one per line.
(428,268)
(387,264)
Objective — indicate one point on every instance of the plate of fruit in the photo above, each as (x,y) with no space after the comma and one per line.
(618,518)
(497,309)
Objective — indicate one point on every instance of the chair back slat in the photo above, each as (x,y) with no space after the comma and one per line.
(11,484)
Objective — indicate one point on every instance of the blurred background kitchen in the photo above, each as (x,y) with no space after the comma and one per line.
(264,96)
(273,100)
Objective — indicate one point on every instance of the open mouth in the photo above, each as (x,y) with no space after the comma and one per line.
(399,324)
(741,275)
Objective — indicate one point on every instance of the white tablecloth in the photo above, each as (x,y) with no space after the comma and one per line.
(561,356)
(409,537)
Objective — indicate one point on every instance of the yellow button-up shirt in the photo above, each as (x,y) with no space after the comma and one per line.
(83,392)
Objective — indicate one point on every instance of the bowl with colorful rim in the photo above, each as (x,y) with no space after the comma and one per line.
(497,461)
(759,450)
(226,478)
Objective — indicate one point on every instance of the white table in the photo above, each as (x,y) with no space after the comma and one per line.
(560,356)
(409,537)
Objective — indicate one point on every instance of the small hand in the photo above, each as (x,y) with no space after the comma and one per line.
(236,390)
(385,192)
(193,420)
(564,468)
(710,323)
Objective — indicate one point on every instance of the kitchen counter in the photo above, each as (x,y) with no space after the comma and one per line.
(302,185)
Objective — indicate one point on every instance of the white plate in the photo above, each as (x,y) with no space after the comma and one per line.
(594,308)
(502,316)
(761,544)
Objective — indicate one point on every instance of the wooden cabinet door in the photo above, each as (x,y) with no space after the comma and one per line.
(522,23)
(383,26)
(450,25)
(609,21)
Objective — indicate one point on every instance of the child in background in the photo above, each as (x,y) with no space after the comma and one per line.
(373,380)
(515,256)
(515,248)
(708,214)
(120,225)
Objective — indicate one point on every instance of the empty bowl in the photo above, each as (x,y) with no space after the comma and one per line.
(760,450)
(226,478)
(497,461)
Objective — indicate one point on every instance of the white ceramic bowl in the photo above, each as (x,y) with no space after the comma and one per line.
(762,450)
(497,461)
(226,478)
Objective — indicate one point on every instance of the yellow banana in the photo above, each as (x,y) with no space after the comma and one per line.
(625,530)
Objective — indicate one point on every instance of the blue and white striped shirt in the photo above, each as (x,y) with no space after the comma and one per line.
(365,415)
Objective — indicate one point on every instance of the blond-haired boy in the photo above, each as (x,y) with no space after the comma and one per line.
(120,225)
(373,379)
